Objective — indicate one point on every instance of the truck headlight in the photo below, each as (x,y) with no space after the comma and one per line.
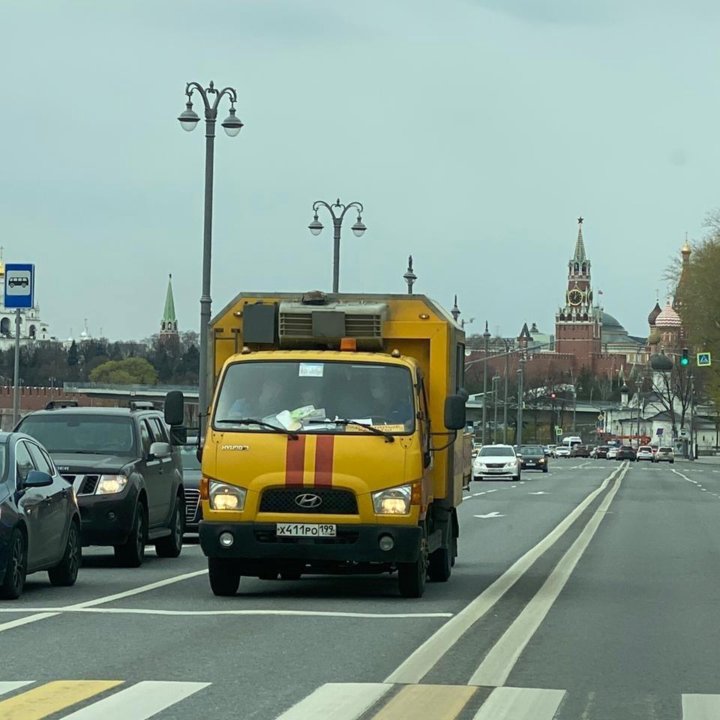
(393,501)
(226,497)
(111,484)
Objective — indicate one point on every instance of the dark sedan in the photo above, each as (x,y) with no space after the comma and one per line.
(532,457)
(582,451)
(191,482)
(40,528)
(626,453)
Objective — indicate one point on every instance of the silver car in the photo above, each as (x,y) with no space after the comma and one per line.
(496,461)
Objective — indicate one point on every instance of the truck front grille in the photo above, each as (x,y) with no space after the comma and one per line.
(290,500)
(192,500)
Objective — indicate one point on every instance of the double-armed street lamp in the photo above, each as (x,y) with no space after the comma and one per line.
(189,119)
(337,212)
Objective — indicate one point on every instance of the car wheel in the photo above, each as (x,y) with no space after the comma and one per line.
(14,581)
(412,576)
(65,573)
(170,546)
(132,552)
(224,575)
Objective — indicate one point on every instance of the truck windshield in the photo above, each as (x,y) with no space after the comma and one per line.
(89,434)
(316,396)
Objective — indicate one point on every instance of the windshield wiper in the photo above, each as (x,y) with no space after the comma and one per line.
(253,421)
(389,437)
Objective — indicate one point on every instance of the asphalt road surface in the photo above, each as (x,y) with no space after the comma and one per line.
(590,592)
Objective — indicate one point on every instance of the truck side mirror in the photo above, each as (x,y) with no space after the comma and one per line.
(174,408)
(455,412)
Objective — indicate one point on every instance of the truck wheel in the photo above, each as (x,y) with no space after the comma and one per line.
(224,576)
(412,576)
(12,584)
(170,546)
(440,566)
(132,552)
(65,573)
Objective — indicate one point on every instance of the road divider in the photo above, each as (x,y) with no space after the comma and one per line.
(424,659)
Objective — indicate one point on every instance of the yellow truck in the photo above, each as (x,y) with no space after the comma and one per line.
(335,440)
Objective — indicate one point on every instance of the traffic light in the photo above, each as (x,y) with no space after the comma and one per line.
(685,359)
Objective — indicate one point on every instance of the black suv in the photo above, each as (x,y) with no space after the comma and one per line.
(125,467)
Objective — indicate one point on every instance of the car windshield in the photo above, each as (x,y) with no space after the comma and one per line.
(496,451)
(188,454)
(76,433)
(310,396)
(531,450)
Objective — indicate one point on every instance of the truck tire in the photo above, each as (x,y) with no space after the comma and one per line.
(224,576)
(170,546)
(412,576)
(132,552)
(440,565)
(65,573)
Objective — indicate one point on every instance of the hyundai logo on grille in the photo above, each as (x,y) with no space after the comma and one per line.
(308,500)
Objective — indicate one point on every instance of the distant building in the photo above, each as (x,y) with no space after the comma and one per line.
(32,328)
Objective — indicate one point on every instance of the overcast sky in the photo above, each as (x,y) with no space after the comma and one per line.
(474,131)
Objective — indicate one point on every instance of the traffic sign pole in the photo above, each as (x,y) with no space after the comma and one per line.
(16,372)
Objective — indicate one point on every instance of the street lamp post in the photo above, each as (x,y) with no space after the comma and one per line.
(316,228)
(486,337)
(521,378)
(495,383)
(505,397)
(232,125)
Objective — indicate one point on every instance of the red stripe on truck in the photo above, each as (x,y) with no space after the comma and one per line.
(324,460)
(295,461)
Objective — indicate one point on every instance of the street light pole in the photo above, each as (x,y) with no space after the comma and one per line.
(316,228)
(486,336)
(495,383)
(505,398)
(232,125)
(521,378)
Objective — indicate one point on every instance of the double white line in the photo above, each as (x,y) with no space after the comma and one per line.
(499,662)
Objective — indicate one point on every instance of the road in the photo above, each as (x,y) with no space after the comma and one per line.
(588,592)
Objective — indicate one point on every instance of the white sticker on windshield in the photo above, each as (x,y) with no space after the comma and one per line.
(311,370)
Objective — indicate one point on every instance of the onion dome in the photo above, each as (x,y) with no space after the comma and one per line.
(652,317)
(668,318)
(660,362)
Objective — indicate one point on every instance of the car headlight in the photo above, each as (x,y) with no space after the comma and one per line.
(226,497)
(511,464)
(111,484)
(393,501)
(541,460)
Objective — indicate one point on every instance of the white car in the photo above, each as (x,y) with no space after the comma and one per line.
(496,461)
(612,453)
(562,451)
(645,453)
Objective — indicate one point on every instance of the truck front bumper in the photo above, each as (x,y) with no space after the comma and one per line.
(353,543)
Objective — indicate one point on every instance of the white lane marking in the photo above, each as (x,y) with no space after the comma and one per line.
(212,613)
(8,687)
(539,492)
(700,707)
(493,490)
(138,702)
(499,662)
(138,590)
(424,659)
(509,703)
(53,612)
(489,515)
(479,493)
(337,700)
(26,620)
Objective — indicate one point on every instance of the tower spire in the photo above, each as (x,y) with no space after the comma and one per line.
(580,255)
(168,325)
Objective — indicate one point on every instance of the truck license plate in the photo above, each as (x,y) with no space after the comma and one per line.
(305,530)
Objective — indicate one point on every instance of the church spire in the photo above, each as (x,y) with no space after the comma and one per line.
(580,255)
(168,326)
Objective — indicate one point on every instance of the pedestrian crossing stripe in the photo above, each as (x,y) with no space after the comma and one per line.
(139,701)
(388,701)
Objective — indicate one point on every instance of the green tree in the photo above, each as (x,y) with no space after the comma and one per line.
(131,371)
